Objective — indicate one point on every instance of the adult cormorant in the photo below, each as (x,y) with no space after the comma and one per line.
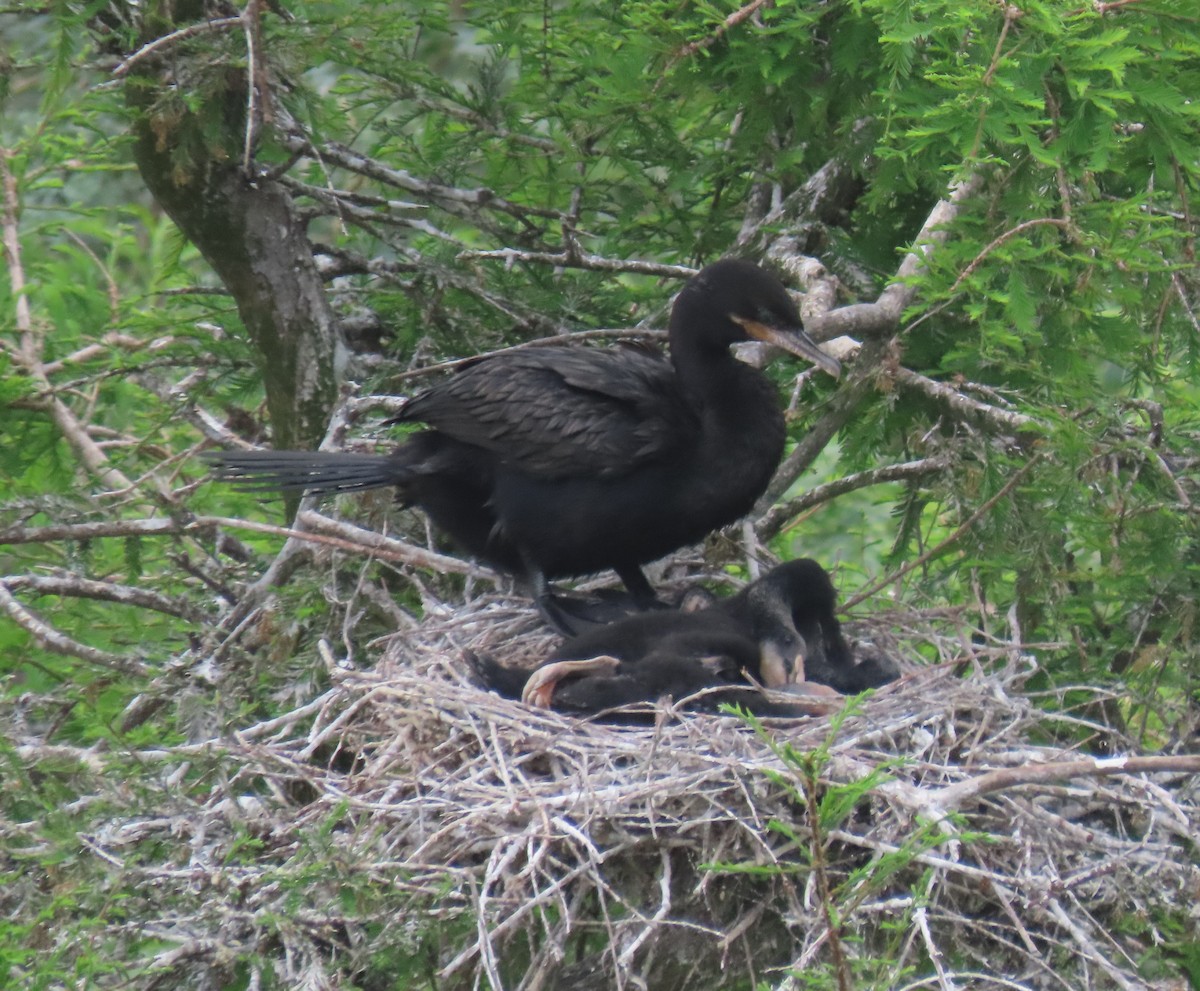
(779,631)
(568,460)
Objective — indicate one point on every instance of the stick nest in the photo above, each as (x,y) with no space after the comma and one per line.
(916,839)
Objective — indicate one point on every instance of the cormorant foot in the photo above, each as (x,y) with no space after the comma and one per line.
(571,615)
(539,689)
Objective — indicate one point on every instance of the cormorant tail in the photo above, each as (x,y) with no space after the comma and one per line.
(307,471)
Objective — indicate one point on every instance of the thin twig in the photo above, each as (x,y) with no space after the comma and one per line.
(569,259)
(52,640)
(957,535)
(780,515)
(203,27)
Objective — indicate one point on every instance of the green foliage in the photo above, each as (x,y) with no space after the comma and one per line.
(841,878)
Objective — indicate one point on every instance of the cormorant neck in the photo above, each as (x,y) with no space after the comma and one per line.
(699,344)
(703,367)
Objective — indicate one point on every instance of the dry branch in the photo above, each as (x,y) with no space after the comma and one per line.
(30,355)
(58,643)
(963,406)
(954,796)
(575,259)
(450,198)
(173,38)
(86,588)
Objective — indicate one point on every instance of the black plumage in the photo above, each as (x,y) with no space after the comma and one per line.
(779,631)
(791,612)
(568,460)
(702,672)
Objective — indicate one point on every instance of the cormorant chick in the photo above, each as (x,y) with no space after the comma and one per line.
(790,611)
(700,672)
(779,631)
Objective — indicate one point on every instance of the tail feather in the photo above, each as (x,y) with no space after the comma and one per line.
(306,471)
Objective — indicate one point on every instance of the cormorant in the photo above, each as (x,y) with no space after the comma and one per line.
(557,461)
(779,631)
(790,611)
(704,673)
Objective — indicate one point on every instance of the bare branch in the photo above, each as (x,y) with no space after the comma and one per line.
(50,639)
(109,528)
(964,406)
(956,795)
(933,552)
(256,79)
(203,27)
(567,259)
(86,588)
(810,203)
(30,353)
(481,123)
(732,21)
(779,516)
(1006,236)
(348,537)
(873,322)
(294,139)
(883,316)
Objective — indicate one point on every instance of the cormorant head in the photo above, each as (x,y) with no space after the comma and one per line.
(790,607)
(804,586)
(733,300)
(781,647)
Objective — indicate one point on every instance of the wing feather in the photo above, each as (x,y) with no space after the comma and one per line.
(561,411)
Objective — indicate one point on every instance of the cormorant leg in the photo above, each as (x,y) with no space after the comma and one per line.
(574,614)
(554,615)
(635,582)
(539,689)
(548,607)
(571,615)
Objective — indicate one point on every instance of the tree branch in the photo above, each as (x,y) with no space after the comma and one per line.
(876,323)
(50,639)
(933,552)
(109,528)
(882,317)
(814,202)
(732,21)
(964,406)
(348,537)
(569,259)
(87,588)
(294,139)
(780,515)
(954,796)
(203,27)
(30,353)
